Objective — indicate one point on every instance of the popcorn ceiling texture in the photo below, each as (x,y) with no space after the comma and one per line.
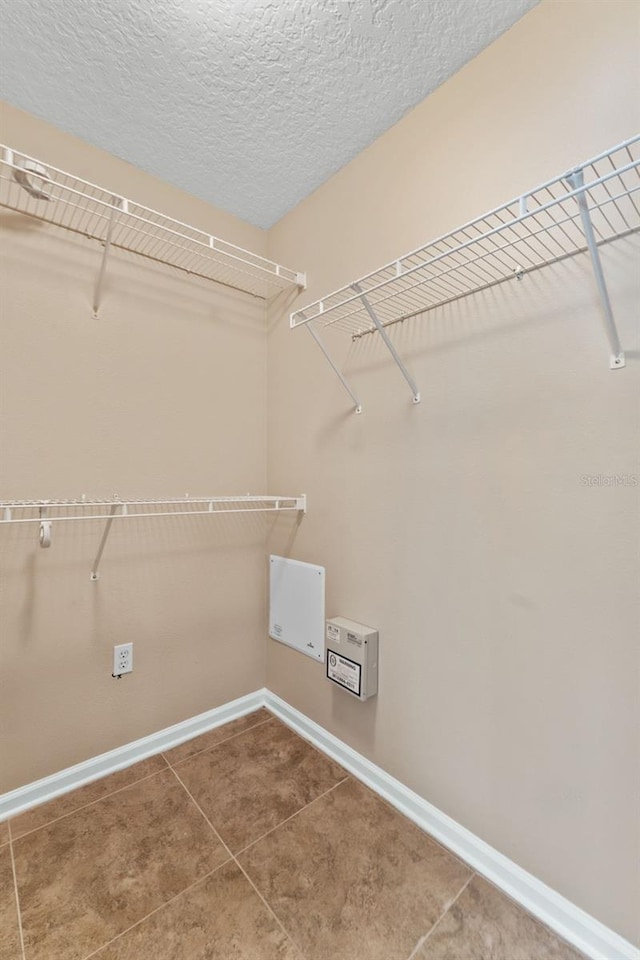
(248,104)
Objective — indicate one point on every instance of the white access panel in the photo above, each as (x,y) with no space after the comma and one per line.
(296,605)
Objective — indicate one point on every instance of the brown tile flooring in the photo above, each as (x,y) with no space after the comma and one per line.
(245,842)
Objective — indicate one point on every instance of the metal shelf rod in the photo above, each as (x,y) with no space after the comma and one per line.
(103,542)
(336,369)
(118,501)
(576,179)
(97,296)
(392,350)
(164,513)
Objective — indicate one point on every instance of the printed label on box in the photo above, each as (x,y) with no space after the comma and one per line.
(354,638)
(344,672)
(333,632)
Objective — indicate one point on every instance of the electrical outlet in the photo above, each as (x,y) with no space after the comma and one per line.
(122,659)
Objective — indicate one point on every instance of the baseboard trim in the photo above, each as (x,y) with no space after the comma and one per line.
(40,791)
(569,921)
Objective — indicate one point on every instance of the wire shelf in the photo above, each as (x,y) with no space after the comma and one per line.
(35,189)
(540,228)
(35,511)
(48,513)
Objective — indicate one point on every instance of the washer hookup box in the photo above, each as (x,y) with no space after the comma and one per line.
(352,657)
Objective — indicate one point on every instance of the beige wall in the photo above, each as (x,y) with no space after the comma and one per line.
(163,395)
(505,591)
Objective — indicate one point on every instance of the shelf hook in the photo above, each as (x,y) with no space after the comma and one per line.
(44,534)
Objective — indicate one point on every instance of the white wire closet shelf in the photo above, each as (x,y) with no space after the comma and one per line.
(48,513)
(36,189)
(592,204)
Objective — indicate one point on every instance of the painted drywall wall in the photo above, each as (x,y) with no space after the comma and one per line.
(163,395)
(503,585)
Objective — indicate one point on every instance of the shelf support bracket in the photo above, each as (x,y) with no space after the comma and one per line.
(314,333)
(576,181)
(390,347)
(105,536)
(97,294)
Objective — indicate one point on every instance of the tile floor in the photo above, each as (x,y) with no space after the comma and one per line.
(245,843)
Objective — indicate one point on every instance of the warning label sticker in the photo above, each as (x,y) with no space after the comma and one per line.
(344,672)
(333,632)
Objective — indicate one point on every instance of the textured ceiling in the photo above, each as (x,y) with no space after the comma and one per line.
(249,104)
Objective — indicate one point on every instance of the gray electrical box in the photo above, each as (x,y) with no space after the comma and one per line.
(352,657)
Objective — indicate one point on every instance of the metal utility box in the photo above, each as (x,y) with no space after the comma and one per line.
(352,657)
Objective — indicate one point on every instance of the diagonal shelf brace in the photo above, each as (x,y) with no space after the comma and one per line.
(105,536)
(97,294)
(314,333)
(390,347)
(576,180)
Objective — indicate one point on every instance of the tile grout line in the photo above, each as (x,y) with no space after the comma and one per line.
(156,910)
(239,865)
(260,723)
(230,855)
(15,890)
(282,823)
(167,768)
(85,805)
(230,858)
(288,935)
(424,939)
(202,813)
(160,753)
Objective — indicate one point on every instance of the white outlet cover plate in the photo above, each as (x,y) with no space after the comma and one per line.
(117,650)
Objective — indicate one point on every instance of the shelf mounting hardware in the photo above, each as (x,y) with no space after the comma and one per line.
(390,347)
(576,180)
(311,327)
(103,542)
(97,295)
(45,528)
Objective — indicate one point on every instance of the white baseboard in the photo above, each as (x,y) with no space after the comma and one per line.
(569,921)
(17,801)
